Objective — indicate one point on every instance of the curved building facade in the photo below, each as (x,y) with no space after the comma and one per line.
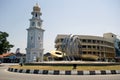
(95,45)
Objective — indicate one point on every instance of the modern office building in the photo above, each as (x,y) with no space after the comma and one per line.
(103,47)
(116,40)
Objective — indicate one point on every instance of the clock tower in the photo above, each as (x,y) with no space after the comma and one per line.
(34,48)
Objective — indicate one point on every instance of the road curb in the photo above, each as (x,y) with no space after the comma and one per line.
(64,72)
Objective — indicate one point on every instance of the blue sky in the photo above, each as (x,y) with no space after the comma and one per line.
(83,17)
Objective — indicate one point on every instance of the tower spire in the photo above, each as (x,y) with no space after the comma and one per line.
(37,4)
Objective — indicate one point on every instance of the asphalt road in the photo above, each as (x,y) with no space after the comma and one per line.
(5,75)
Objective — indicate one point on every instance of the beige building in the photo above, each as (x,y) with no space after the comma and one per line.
(103,47)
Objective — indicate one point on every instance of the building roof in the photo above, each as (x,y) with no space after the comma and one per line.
(6,55)
(59,36)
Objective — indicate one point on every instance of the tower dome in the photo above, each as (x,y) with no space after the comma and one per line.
(36,7)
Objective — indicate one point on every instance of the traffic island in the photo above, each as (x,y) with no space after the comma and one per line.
(69,69)
(65,72)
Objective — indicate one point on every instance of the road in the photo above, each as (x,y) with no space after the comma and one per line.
(5,75)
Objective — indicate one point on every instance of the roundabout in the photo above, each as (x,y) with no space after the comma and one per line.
(6,75)
(68,68)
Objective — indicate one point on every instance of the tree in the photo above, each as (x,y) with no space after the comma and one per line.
(119,44)
(4,44)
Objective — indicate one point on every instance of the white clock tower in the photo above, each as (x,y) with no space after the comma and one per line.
(34,48)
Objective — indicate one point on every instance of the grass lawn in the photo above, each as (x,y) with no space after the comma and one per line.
(114,67)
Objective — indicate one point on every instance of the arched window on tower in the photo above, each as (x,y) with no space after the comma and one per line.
(36,15)
(33,23)
(31,38)
(38,38)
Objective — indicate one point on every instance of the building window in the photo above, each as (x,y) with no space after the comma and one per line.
(38,38)
(89,52)
(31,38)
(89,41)
(33,23)
(101,42)
(89,46)
(94,53)
(94,41)
(61,40)
(83,46)
(84,52)
(98,47)
(36,15)
(94,47)
(83,40)
(38,23)
(98,41)
(101,47)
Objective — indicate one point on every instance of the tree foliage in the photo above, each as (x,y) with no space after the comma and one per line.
(119,44)
(4,44)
